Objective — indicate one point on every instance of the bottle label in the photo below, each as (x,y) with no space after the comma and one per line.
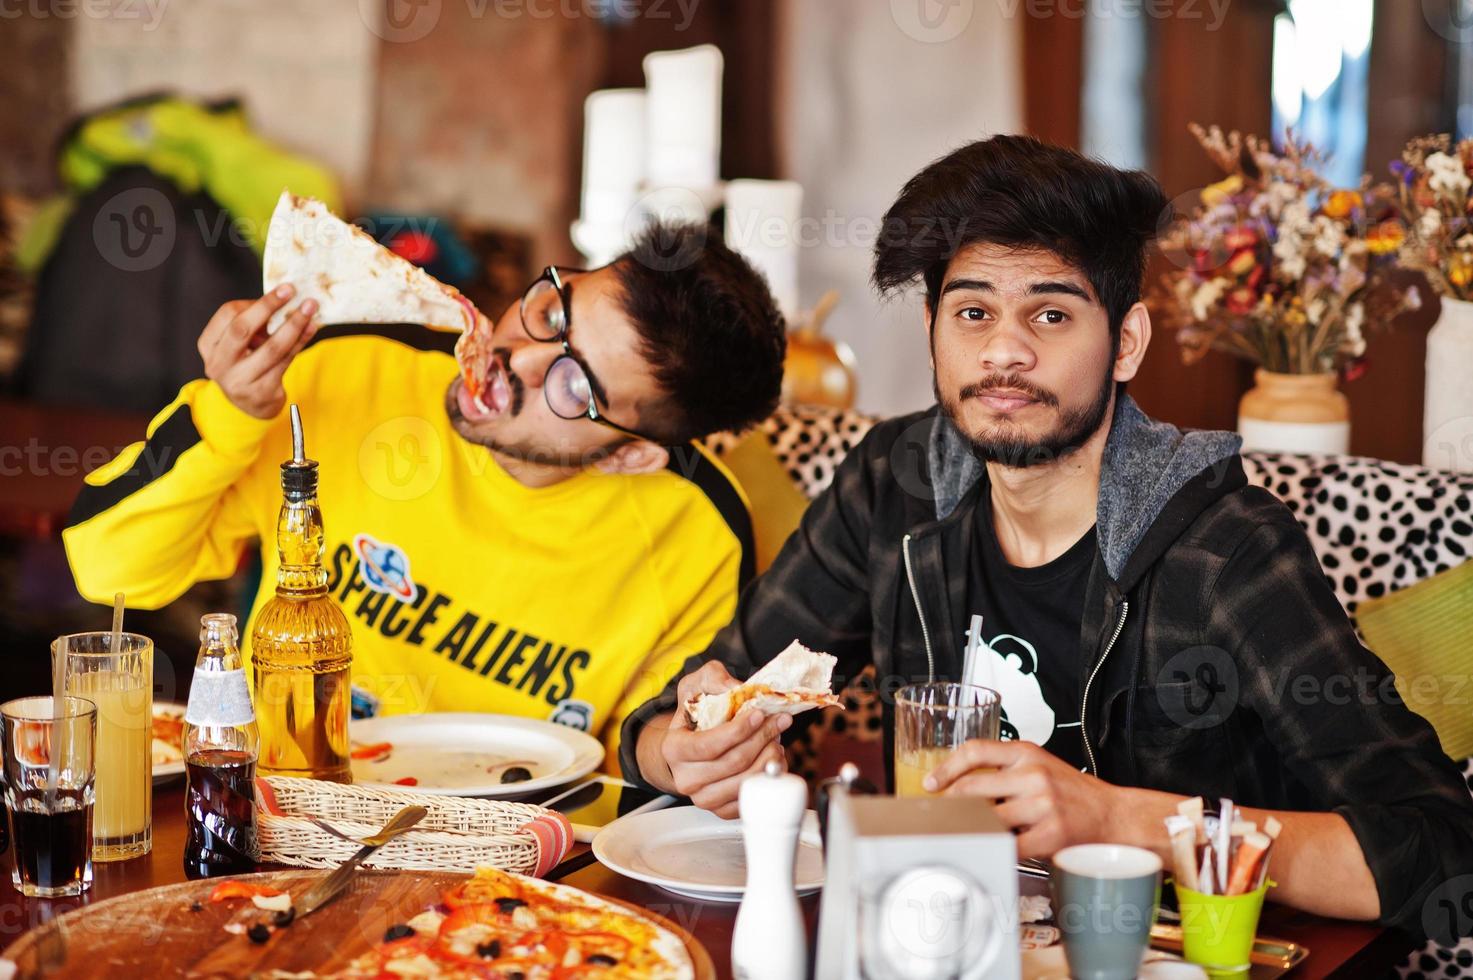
(219,697)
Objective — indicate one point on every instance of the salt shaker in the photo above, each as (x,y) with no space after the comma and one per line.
(769,942)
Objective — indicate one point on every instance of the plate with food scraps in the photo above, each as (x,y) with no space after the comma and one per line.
(696,854)
(168,741)
(468,754)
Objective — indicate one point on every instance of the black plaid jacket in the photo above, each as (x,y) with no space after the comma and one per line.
(1214,657)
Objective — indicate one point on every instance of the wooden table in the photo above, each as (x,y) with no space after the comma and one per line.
(44,454)
(1338,949)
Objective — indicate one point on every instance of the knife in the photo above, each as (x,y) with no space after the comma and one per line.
(576,798)
(331,886)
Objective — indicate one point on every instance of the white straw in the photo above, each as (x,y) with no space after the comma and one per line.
(969,657)
(117,646)
(58,725)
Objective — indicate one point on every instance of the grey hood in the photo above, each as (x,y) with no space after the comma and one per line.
(1146,463)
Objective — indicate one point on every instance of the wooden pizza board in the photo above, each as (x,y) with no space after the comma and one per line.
(154,933)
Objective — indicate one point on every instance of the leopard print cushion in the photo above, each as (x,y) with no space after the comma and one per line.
(809,442)
(1376,526)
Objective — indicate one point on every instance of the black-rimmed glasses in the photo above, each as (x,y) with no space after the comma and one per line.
(568,386)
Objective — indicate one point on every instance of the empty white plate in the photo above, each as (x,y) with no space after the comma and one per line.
(466,754)
(696,854)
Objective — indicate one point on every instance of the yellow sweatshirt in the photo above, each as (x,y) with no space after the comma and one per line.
(466,590)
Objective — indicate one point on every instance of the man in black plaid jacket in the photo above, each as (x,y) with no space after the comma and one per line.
(1169,632)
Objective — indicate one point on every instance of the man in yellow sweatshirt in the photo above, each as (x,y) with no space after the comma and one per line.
(555,548)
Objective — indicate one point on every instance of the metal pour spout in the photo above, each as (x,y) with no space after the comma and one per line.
(299,454)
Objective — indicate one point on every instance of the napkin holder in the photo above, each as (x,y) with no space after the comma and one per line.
(894,868)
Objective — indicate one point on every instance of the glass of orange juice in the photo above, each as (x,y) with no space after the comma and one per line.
(120,682)
(931,720)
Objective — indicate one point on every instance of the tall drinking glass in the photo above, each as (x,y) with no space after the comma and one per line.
(49,772)
(120,683)
(933,719)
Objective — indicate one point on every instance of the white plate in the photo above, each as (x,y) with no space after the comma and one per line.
(465,754)
(696,854)
(167,771)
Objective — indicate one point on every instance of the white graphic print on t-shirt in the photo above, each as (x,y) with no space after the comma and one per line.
(1012,671)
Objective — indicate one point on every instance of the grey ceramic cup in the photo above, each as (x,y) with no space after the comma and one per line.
(1105,898)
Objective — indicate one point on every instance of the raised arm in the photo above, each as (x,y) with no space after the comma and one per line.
(166,513)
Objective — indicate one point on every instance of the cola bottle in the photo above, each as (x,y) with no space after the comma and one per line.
(220,751)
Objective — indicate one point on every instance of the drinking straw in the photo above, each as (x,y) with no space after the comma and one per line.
(58,726)
(117,645)
(969,656)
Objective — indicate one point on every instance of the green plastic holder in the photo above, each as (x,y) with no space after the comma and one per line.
(1218,930)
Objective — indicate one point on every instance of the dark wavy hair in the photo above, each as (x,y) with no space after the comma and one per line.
(709,328)
(1020,192)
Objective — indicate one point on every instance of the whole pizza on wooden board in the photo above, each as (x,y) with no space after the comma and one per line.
(388,924)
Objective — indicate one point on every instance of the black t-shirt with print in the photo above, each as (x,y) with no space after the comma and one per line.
(1030,623)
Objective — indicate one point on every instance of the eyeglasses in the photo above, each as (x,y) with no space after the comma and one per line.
(570,390)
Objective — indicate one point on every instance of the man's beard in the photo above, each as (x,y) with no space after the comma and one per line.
(1013,448)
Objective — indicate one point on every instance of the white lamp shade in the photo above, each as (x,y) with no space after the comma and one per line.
(762,224)
(613,154)
(683,117)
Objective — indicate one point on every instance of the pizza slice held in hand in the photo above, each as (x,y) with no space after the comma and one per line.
(796,680)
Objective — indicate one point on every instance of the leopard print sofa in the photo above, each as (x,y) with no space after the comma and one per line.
(1376,527)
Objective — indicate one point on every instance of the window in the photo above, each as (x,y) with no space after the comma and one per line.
(1321,61)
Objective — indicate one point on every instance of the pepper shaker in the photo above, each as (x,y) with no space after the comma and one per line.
(769,941)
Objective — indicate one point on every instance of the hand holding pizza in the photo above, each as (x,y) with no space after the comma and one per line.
(247,364)
(709,766)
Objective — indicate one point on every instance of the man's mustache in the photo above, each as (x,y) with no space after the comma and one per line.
(1010,382)
(513,380)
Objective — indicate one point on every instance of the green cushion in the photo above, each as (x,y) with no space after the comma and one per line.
(1424,633)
